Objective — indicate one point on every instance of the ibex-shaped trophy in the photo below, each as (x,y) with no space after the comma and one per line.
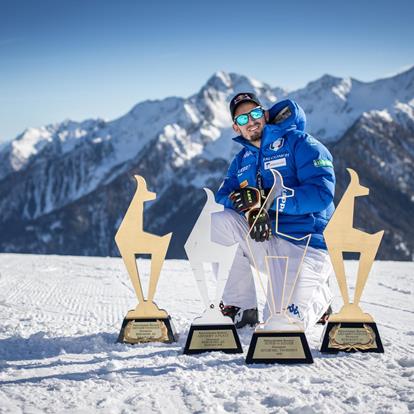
(351,329)
(146,323)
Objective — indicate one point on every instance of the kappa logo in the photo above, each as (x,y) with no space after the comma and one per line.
(294,310)
(276,145)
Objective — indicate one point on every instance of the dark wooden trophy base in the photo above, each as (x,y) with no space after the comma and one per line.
(210,338)
(136,331)
(351,337)
(274,347)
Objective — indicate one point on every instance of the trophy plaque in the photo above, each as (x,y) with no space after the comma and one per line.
(281,339)
(351,329)
(145,323)
(212,331)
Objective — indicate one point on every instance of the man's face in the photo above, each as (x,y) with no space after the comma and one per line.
(252,131)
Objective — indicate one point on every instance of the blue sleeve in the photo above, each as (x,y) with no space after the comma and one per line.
(315,173)
(229,184)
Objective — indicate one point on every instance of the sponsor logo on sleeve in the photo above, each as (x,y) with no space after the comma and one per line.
(276,145)
(322,163)
(243,169)
(281,162)
(311,140)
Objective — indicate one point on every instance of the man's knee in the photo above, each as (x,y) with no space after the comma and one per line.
(224,225)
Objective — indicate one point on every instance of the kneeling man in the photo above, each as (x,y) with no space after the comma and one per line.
(275,139)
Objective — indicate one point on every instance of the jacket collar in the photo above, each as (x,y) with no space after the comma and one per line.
(269,134)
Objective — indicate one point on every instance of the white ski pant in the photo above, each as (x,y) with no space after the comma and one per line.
(306,294)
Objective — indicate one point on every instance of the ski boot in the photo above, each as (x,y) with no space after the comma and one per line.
(325,316)
(240,317)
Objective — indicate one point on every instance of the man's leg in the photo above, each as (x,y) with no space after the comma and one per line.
(228,228)
(311,295)
(298,281)
(283,264)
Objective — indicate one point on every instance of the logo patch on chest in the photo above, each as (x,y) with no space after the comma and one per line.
(276,145)
(281,162)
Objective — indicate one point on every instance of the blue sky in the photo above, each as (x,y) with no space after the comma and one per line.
(94,58)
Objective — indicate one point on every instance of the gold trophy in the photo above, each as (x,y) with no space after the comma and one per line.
(351,329)
(146,323)
(280,339)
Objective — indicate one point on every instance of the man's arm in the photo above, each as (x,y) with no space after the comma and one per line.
(315,172)
(229,184)
(245,201)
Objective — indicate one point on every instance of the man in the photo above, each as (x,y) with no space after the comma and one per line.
(275,139)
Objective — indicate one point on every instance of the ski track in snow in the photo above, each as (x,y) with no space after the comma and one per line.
(60,317)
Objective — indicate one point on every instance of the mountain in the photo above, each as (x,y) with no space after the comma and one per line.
(64,188)
(333,105)
(380,147)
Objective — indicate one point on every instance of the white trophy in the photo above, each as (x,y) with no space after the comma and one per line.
(212,331)
(281,338)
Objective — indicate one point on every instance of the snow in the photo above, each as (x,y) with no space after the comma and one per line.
(60,317)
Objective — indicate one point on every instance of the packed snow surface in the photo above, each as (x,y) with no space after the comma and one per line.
(60,317)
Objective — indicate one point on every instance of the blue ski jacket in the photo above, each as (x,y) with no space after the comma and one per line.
(305,165)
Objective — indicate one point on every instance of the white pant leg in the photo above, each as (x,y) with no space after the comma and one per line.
(284,264)
(306,294)
(227,228)
(311,295)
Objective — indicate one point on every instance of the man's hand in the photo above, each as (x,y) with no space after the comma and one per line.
(245,198)
(261,230)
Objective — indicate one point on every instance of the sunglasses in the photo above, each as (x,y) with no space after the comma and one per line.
(243,119)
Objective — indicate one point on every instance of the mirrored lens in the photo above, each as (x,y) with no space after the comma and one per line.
(242,119)
(257,113)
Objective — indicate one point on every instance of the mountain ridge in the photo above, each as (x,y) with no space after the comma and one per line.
(52,174)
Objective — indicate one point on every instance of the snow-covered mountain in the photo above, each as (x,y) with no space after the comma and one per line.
(332,104)
(65,187)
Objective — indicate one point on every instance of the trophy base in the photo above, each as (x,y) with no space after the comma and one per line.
(275,347)
(210,338)
(144,330)
(351,337)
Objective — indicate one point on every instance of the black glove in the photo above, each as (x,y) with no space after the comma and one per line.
(245,198)
(261,230)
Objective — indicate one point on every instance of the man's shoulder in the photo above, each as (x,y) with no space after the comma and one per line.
(290,135)
(243,154)
(300,137)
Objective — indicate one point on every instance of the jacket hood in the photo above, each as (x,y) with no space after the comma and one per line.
(287,114)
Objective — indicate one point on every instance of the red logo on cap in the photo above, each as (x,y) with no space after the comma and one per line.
(241,97)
